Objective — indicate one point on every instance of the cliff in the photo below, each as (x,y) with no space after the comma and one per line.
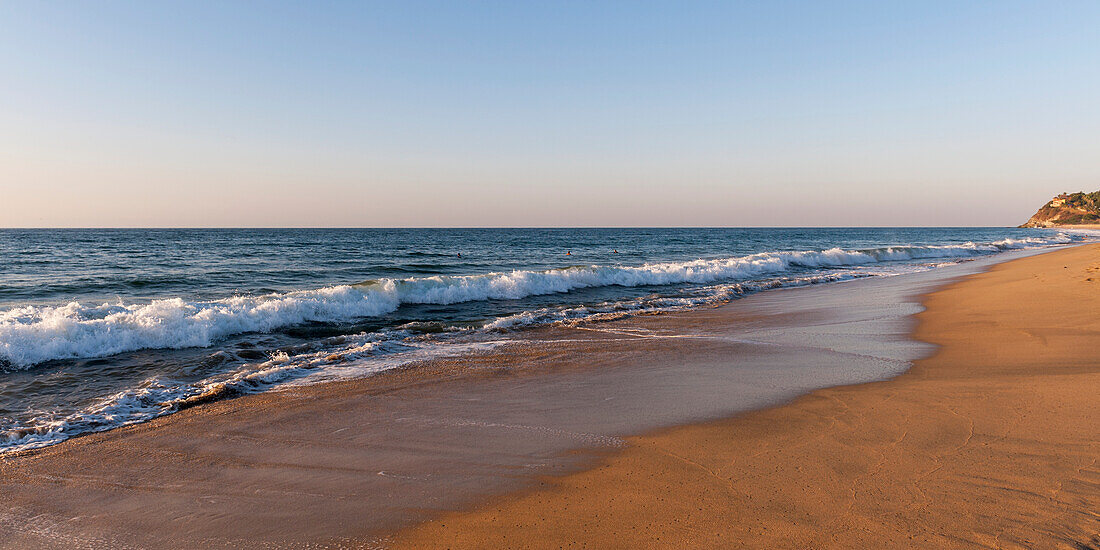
(1068,209)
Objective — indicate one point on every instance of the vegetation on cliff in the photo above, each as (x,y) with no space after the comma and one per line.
(1068,209)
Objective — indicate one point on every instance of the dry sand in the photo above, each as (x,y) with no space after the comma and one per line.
(991,442)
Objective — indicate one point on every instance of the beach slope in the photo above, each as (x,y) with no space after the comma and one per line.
(991,442)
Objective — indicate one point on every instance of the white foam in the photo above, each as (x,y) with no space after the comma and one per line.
(658,304)
(33,334)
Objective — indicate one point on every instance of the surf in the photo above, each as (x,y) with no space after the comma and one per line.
(31,335)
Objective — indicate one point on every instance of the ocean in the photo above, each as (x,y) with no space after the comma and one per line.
(101,328)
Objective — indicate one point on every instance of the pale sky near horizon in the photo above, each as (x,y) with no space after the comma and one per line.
(544,113)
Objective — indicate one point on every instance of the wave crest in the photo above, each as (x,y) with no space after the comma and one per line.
(34,334)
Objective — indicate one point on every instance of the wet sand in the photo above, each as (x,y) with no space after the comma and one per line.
(351,463)
(993,441)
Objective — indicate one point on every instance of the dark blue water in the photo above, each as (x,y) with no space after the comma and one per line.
(99,328)
(54,266)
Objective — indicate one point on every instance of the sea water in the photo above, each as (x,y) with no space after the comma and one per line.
(103,328)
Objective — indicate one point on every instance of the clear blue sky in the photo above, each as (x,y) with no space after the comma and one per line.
(544,113)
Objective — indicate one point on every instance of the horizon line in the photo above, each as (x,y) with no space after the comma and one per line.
(2,228)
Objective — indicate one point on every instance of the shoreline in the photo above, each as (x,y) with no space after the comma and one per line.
(216,394)
(990,441)
(211,453)
(1089,226)
(74,367)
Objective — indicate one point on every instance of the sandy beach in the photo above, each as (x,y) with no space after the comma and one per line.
(991,442)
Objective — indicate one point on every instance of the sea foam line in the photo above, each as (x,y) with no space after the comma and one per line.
(363,355)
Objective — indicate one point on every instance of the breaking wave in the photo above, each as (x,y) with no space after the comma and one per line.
(33,334)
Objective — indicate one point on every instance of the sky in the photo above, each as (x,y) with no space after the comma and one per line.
(425,114)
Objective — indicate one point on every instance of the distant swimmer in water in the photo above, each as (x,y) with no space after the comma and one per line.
(459,254)
(614,251)
(568,253)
